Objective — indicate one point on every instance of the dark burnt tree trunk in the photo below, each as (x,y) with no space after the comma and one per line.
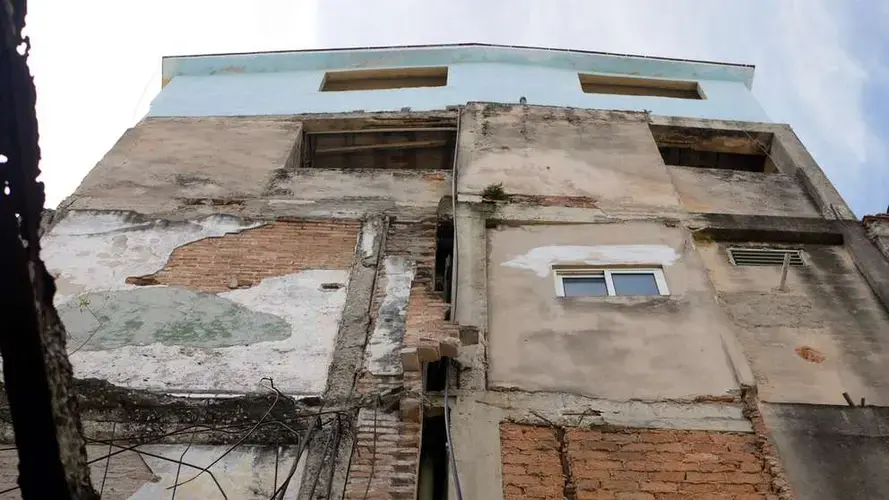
(36,371)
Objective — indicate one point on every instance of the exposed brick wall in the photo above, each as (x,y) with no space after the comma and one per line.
(387,449)
(211,264)
(633,464)
(531,465)
(426,327)
(393,458)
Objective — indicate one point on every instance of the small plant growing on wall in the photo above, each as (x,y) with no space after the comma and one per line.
(494,192)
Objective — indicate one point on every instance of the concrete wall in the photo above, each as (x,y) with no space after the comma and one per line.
(735,192)
(274,318)
(610,347)
(247,472)
(607,157)
(832,452)
(289,83)
(189,167)
(820,337)
(160,162)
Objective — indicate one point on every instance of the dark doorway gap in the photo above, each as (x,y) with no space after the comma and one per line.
(433,477)
(444,258)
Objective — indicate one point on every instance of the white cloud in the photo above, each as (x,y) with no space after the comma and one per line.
(94,60)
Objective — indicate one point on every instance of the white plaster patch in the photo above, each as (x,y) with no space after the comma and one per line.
(90,251)
(541,259)
(369,232)
(298,365)
(384,347)
(247,472)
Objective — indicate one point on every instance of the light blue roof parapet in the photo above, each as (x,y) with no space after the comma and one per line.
(437,55)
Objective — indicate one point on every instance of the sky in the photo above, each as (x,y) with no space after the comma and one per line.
(821,65)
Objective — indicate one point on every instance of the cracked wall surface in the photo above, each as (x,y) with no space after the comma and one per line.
(228,303)
(641,464)
(248,472)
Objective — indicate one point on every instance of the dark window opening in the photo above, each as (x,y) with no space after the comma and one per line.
(687,157)
(381,79)
(444,258)
(429,148)
(726,149)
(436,375)
(629,85)
(432,483)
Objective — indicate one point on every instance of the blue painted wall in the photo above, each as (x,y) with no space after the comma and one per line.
(289,83)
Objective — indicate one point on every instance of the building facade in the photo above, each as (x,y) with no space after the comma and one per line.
(551,274)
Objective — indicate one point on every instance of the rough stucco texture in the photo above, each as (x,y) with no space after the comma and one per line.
(832,452)
(247,472)
(735,192)
(611,347)
(630,464)
(610,158)
(815,340)
(161,161)
(280,319)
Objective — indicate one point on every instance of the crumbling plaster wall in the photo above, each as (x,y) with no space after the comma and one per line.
(611,347)
(832,452)
(247,472)
(813,341)
(606,156)
(734,192)
(181,168)
(175,340)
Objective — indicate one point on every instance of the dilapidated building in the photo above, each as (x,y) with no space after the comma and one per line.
(552,274)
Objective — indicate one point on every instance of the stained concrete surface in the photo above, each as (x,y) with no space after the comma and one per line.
(171,316)
(735,192)
(832,452)
(826,306)
(610,347)
(609,157)
(161,161)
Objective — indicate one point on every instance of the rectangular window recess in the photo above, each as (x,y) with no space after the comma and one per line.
(764,256)
(610,282)
(391,149)
(742,150)
(627,85)
(382,79)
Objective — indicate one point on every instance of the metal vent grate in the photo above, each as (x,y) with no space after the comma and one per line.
(764,256)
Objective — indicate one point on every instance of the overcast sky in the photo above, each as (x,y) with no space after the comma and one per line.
(821,65)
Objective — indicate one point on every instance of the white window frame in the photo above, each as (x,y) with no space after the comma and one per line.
(607,273)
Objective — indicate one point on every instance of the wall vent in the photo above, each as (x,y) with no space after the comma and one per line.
(764,256)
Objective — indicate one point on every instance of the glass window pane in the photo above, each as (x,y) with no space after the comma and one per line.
(584,287)
(634,284)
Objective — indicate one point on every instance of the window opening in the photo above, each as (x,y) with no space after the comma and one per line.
(687,157)
(628,85)
(723,149)
(435,375)
(391,149)
(617,282)
(382,79)
(432,483)
(764,256)
(444,257)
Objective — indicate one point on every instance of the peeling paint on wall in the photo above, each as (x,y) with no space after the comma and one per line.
(171,316)
(384,346)
(96,251)
(541,259)
(174,340)
(247,472)
(298,364)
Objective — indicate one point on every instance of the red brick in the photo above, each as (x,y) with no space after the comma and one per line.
(658,486)
(668,476)
(705,477)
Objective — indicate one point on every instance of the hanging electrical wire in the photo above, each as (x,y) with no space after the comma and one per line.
(447,417)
